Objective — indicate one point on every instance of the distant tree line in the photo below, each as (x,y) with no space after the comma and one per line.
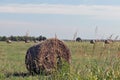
(22,38)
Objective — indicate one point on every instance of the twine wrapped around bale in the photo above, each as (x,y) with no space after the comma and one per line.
(47,56)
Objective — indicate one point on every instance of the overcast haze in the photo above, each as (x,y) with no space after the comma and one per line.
(60,17)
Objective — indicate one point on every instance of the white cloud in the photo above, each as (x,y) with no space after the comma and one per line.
(100,11)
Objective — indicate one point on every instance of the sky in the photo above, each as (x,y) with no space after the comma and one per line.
(87,19)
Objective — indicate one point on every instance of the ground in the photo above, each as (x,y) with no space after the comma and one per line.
(97,61)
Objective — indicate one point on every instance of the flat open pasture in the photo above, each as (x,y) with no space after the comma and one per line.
(97,61)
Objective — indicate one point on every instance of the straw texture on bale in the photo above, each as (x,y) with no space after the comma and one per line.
(47,56)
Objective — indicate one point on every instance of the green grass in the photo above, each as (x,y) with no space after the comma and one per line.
(89,62)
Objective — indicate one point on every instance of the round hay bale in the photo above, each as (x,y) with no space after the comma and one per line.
(47,56)
(92,41)
(9,41)
(78,39)
(27,41)
(108,41)
(36,41)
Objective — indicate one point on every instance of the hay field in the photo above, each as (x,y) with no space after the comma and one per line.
(89,62)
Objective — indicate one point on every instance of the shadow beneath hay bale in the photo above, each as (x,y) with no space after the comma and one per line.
(18,74)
